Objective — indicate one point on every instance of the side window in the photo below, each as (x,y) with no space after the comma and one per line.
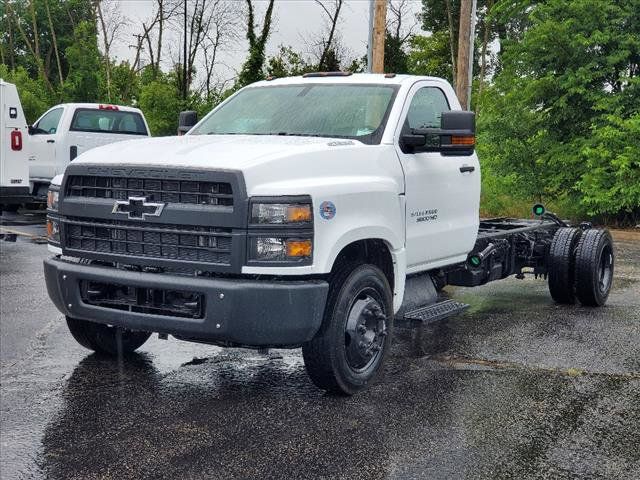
(426,108)
(48,124)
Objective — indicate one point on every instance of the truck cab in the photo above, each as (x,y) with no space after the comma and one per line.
(14,169)
(67,130)
(307,212)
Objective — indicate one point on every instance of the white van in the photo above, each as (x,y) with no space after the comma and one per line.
(65,131)
(14,169)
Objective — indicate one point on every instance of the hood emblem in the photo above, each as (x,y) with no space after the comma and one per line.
(137,208)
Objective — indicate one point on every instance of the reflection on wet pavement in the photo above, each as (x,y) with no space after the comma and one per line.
(516,388)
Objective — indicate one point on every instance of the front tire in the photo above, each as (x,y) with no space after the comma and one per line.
(594,267)
(349,349)
(104,338)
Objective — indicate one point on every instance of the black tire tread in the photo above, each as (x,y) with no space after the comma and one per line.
(562,266)
(586,261)
(318,353)
(318,365)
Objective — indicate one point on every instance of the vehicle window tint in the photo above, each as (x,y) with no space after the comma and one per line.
(426,108)
(48,124)
(108,121)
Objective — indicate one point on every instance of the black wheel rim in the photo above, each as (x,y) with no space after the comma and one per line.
(365,330)
(605,269)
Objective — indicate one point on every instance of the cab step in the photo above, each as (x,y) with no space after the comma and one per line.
(436,311)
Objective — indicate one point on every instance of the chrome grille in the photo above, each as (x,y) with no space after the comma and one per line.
(210,245)
(158,190)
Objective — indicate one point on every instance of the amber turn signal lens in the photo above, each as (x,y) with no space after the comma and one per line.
(298,213)
(49,228)
(299,248)
(463,140)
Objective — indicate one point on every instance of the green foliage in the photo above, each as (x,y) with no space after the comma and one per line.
(252,70)
(429,55)
(33,93)
(287,62)
(541,123)
(85,68)
(160,102)
(611,182)
(395,57)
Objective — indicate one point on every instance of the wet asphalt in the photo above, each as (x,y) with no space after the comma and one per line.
(515,388)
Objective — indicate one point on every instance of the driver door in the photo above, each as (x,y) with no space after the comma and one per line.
(442,200)
(42,160)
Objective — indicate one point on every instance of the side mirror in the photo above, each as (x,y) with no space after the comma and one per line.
(456,135)
(186,120)
(31,129)
(411,141)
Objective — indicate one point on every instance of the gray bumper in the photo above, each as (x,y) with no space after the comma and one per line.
(237,311)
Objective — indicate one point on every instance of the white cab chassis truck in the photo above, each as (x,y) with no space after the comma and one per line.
(311,211)
(14,169)
(67,130)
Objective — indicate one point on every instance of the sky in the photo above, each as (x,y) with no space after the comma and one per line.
(295,21)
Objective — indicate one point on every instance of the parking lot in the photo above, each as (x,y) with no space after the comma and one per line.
(517,387)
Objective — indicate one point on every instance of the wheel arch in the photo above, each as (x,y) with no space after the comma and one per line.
(381,253)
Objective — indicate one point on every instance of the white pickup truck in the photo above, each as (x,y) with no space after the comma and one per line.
(65,131)
(309,211)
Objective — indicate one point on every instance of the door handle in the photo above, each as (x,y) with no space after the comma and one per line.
(467,168)
(51,141)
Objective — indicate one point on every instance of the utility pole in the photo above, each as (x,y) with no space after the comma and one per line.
(377,33)
(184,56)
(370,42)
(466,39)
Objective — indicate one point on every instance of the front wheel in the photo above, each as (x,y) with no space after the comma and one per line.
(355,336)
(105,339)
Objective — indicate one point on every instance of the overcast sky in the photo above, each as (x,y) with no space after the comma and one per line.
(295,21)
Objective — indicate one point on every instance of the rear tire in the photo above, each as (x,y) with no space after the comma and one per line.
(594,267)
(104,338)
(354,339)
(562,265)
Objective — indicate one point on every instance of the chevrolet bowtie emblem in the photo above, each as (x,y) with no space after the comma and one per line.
(137,208)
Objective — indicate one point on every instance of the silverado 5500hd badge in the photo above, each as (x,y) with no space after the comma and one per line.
(425,215)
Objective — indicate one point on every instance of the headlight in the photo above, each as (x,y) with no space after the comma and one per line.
(52,199)
(53,231)
(281,213)
(276,249)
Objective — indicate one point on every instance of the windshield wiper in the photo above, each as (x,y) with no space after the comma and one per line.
(289,134)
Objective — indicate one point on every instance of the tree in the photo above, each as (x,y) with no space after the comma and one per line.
(611,182)
(287,62)
(329,59)
(568,87)
(161,103)
(252,70)
(397,37)
(84,80)
(429,55)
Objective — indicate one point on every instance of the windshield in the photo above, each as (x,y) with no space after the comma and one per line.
(319,110)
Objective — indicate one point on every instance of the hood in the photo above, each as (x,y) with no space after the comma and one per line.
(229,152)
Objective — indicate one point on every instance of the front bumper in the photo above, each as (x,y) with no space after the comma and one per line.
(237,312)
